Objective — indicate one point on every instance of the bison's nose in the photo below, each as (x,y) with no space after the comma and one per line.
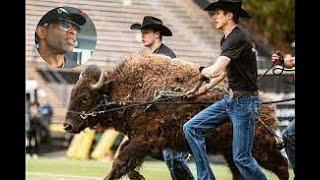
(67,126)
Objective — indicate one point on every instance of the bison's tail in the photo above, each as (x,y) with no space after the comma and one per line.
(268,123)
(268,116)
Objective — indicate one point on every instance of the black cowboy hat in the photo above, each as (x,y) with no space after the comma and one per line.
(61,13)
(153,23)
(232,5)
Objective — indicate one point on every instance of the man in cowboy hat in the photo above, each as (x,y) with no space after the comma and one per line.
(56,34)
(152,30)
(237,61)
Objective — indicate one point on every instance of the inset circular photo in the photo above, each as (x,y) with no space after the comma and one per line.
(65,37)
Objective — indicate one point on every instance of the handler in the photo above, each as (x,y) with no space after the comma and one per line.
(152,30)
(288,133)
(238,62)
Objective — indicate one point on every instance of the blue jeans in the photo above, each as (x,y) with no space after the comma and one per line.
(177,165)
(289,135)
(242,111)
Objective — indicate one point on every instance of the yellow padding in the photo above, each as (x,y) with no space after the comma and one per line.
(81,144)
(105,143)
(74,145)
(57,128)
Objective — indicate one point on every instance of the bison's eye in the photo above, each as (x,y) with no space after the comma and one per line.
(84,97)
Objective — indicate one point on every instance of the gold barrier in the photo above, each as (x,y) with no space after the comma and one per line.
(81,144)
(103,148)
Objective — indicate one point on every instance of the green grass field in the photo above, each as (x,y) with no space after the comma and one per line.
(65,169)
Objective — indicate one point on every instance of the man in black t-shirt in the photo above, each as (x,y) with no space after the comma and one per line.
(152,31)
(237,61)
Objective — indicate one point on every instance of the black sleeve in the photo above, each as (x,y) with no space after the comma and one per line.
(171,54)
(168,52)
(233,46)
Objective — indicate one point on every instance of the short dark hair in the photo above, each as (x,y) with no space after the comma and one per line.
(227,10)
(36,38)
(156,30)
(46,25)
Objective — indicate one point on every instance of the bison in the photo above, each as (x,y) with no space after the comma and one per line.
(151,128)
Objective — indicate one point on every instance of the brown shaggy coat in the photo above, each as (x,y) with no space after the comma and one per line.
(152,129)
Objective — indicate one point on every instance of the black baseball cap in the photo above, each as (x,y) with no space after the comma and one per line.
(61,13)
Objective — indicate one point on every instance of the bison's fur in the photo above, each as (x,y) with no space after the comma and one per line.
(160,126)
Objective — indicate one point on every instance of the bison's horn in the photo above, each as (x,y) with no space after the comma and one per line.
(99,84)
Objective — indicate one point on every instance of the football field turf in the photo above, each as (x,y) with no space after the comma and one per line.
(65,169)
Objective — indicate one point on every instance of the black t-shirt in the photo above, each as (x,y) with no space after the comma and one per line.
(165,50)
(242,69)
(69,62)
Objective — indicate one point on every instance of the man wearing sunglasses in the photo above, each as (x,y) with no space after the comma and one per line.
(56,35)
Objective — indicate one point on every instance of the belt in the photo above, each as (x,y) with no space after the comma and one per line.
(239,93)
